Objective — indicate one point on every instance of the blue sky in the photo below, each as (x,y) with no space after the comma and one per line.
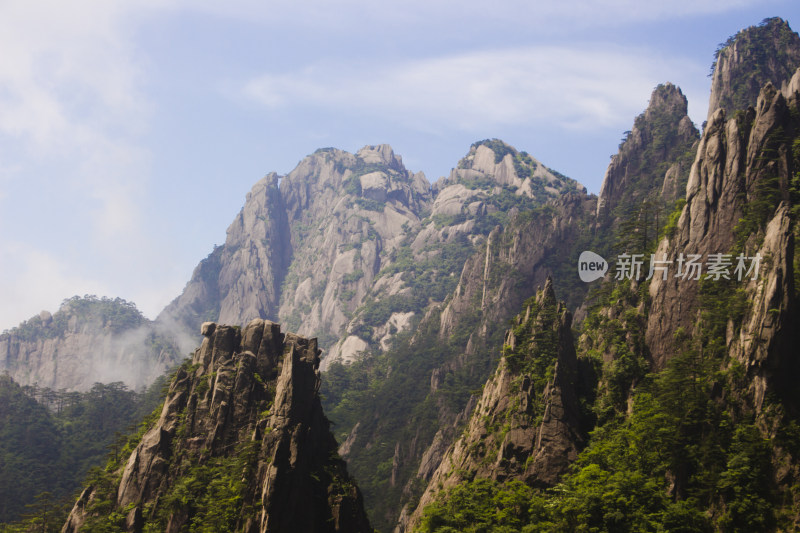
(130,131)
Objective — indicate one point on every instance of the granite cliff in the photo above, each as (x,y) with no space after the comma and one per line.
(240,443)
(668,402)
(685,380)
(343,237)
(88,340)
(768,52)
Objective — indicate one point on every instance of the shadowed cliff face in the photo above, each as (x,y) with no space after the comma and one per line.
(241,442)
(241,279)
(653,160)
(742,172)
(527,424)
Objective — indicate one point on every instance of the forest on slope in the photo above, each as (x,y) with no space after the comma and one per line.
(670,399)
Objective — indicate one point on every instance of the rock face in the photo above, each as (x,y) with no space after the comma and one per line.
(767,53)
(246,410)
(650,157)
(88,340)
(240,280)
(525,426)
(738,181)
(348,214)
(306,251)
(742,170)
(466,208)
(317,249)
(514,259)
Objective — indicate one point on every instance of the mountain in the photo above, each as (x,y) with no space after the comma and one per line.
(528,423)
(767,53)
(328,249)
(306,251)
(742,172)
(473,380)
(653,160)
(240,443)
(673,409)
(88,340)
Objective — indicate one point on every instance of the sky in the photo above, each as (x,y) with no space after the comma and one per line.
(131,131)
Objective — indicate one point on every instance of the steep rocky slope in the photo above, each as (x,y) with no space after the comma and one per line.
(769,52)
(306,251)
(240,443)
(490,184)
(344,237)
(88,340)
(744,168)
(528,423)
(240,280)
(652,166)
(689,380)
(342,241)
(398,410)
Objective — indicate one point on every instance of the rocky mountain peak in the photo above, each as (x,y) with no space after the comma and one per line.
(768,52)
(306,247)
(736,182)
(241,443)
(649,158)
(666,99)
(381,154)
(492,163)
(527,424)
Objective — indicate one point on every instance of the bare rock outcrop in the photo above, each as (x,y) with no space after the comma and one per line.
(742,171)
(648,161)
(755,56)
(250,397)
(526,425)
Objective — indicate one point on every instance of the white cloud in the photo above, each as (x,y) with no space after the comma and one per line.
(73,119)
(66,68)
(34,280)
(588,87)
(356,15)
(70,96)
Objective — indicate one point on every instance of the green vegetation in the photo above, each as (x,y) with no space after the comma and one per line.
(536,349)
(114,314)
(672,219)
(667,454)
(49,440)
(389,396)
(211,492)
(369,204)
(765,53)
(484,505)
